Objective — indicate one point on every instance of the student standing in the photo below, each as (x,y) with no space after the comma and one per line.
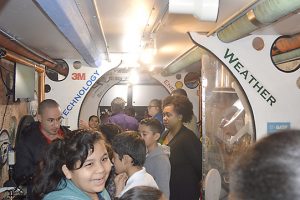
(92,124)
(157,161)
(129,155)
(76,167)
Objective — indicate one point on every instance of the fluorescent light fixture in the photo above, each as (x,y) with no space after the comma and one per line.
(203,10)
(147,56)
(131,42)
(149,52)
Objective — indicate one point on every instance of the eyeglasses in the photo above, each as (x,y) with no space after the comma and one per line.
(151,106)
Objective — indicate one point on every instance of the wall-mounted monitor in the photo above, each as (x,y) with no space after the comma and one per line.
(24,82)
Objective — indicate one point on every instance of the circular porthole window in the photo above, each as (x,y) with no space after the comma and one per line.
(59,72)
(298,82)
(191,80)
(77,64)
(47,88)
(285,53)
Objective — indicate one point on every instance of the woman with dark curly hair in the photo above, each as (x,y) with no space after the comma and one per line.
(186,149)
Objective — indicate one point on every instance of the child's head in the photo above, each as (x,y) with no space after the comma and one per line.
(110,130)
(94,122)
(150,129)
(269,169)
(129,150)
(143,193)
(81,157)
(86,161)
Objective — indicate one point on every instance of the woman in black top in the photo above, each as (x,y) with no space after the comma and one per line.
(186,149)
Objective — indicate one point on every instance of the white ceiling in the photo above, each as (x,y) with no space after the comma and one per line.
(120,19)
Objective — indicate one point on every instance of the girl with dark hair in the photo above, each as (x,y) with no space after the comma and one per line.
(92,124)
(186,149)
(75,167)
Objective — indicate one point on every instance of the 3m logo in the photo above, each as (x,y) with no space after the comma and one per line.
(78,76)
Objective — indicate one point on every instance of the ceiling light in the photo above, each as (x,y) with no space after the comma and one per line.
(150,50)
(147,56)
(134,77)
(131,42)
(203,10)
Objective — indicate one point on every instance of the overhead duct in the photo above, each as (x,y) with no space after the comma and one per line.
(285,57)
(76,21)
(285,44)
(101,29)
(203,10)
(262,14)
(9,42)
(12,44)
(286,49)
(188,58)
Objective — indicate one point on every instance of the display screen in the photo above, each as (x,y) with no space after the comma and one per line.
(24,83)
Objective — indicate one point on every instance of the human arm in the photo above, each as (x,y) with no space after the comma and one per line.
(83,124)
(120,181)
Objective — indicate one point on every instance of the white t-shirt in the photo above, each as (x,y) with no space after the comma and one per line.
(139,178)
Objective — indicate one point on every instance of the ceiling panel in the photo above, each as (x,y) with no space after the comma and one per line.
(24,20)
(123,20)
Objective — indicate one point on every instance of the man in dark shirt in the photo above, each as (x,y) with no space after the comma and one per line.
(34,139)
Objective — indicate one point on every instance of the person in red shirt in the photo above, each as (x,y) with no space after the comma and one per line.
(34,139)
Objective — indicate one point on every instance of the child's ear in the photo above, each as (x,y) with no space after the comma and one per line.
(180,117)
(66,172)
(39,117)
(127,160)
(156,136)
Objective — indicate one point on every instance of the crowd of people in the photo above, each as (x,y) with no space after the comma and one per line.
(156,158)
(116,159)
